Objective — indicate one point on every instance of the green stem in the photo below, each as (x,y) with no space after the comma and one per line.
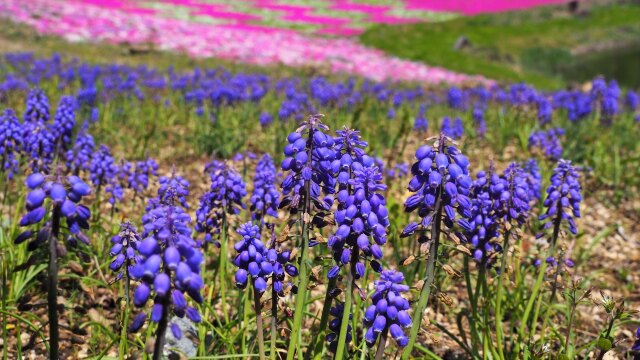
(382,344)
(223,267)
(428,280)
(274,321)
(344,325)
(259,329)
(52,296)
(125,315)
(503,265)
(324,320)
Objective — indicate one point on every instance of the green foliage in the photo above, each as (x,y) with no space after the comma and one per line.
(524,46)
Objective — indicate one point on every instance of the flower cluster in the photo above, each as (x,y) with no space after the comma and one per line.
(479,120)
(64,193)
(138,180)
(170,261)
(224,197)
(361,217)
(421,124)
(563,197)
(256,261)
(362,214)
(64,121)
(79,156)
(533,178)
(124,248)
(389,309)
(10,143)
(483,230)
(454,131)
(514,195)
(265,198)
(251,259)
(308,157)
(548,142)
(102,167)
(440,181)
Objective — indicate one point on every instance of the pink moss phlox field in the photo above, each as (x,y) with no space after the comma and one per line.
(124,22)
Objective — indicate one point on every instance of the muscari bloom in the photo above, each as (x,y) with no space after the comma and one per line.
(421,124)
(10,143)
(454,131)
(124,250)
(251,259)
(224,197)
(562,203)
(138,179)
(440,181)
(388,311)
(478,118)
(266,197)
(102,167)
(256,261)
(265,119)
(533,178)
(64,194)
(38,139)
(170,261)
(362,216)
(37,109)
(483,230)
(308,157)
(548,142)
(79,156)
(64,121)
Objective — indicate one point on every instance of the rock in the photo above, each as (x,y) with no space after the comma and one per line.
(184,346)
(461,43)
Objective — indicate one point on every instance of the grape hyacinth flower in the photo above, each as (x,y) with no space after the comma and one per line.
(308,158)
(265,119)
(79,156)
(252,263)
(10,143)
(223,199)
(169,265)
(388,312)
(533,178)
(562,203)
(251,260)
(421,124)
(138,179)
(37,109)
(266,197)
(548,142)
(454,131)
(483,223)
(38,140)
(124,250)
(478,118)
(361,217)
(441,187)
(64,121)
(102,167)
(58,196)
(175,187)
